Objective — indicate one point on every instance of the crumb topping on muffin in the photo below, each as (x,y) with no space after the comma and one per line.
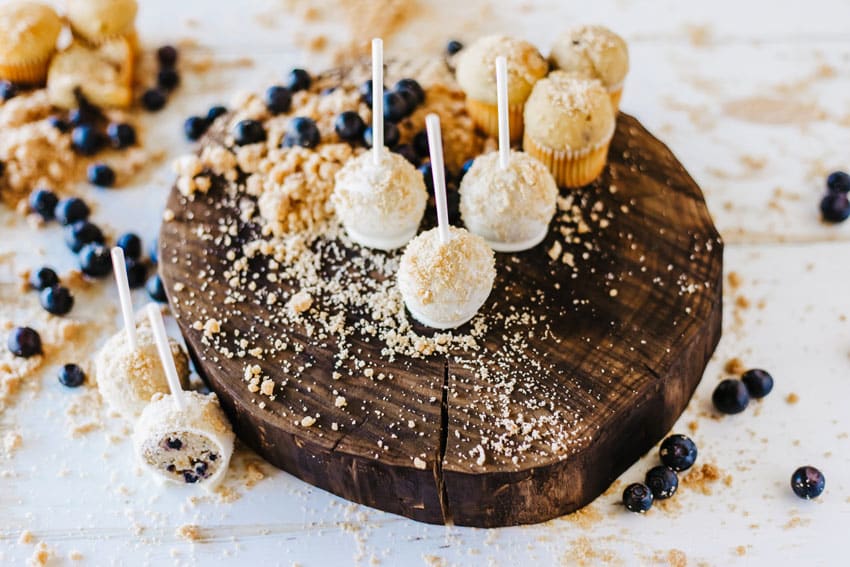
(594,52)
(98,20)
(476,68)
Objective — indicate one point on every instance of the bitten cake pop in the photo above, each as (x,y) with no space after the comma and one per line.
(183,437)
(446,273)
(127,367)
(379,196)
(507,197)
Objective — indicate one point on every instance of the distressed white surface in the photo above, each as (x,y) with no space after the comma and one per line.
(693,56)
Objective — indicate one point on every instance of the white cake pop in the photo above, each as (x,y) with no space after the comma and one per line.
(446,273)
(127,368)
(182,437)
(507,197)
(379,196)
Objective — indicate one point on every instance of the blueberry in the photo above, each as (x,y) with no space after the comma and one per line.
(807,482)
(130,244)
(153,100)
(412,86)
(278,99)
(349,126)
(248,132)
(71,376)
(366,92)
(838,182)
(759,383)
(395,106)
(83,116)
(730,396)
(453,46)
(174,443)
(637,497)
(408,153)
(153,251)
(43,202)
(420,144)
(168,79)
(59,123)
(409,100)
(194,127)
(155,289)
(662,481)
(137,271)
(302,131)
(167,56)
(42,278)
(101,175)
(71,210)
(24,342)
(86,140)
(95,260)
(56,300)
(298,80)
(8,90)
(835,207)
(391,135)
(678,452)
(121,135)
(214,112)
(464,169)
(81,233)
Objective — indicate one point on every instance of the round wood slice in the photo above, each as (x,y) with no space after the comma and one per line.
(555,404)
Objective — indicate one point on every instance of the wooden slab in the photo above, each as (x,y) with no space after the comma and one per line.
(581,370)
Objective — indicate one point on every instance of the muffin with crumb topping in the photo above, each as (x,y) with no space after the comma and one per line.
(99,21)
(28,34)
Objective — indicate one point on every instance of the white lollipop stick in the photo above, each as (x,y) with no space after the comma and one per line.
(377,99)
(120,270)
(502,102)
(162,346)
(435,143)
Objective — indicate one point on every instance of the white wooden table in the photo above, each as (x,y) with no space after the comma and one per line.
(695,66)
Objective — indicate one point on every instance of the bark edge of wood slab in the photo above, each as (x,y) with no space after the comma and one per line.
(661,339)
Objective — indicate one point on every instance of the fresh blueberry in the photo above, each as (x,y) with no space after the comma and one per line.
(24,342)
(298,80)
(81,233)
(366,92)
(168,79)
(101,175)
(838,182)
(42,278)
(453,46)
(121,135)
(408,153)
(730,396)
(662,481)
(835,207)
(420,144)
(56,300)
(409,97)
(759,383)
(155,289)
(71,376)
(153,251)
(131,244)
(278,99)
(71,210)
(464,169)
(85,114)
(214,112)
(349,126)
(395,106)
(302,131)
(167,56)
(153,100)
(59,123)
(86,140)
(678,452)
(807,482)
(637,497)
(8,90)
(412,86)
(43,202)
(95,260)
(391,135)
(137,271)
(194,127)
(248,132)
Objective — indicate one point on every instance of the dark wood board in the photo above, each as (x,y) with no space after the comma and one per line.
(615,350)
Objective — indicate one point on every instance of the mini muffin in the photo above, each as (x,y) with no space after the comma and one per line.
(569,123)
(596,53)
(103,74)
(97,21)
(28,34)
(476,74)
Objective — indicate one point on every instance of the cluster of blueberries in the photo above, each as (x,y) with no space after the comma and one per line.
(732,396)
(678,453)
(26,342)
(167,79)
(835,206)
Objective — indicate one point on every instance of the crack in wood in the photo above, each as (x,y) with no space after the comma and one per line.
(444,438)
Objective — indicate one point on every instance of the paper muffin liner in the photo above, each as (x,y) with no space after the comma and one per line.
(31,72)
(486,116)
(570,168)
(616,95)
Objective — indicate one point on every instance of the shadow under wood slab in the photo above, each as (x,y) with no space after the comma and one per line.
(592,346)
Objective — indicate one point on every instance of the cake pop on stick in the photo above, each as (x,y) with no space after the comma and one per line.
(508,197)
(446,273)
(182,437)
